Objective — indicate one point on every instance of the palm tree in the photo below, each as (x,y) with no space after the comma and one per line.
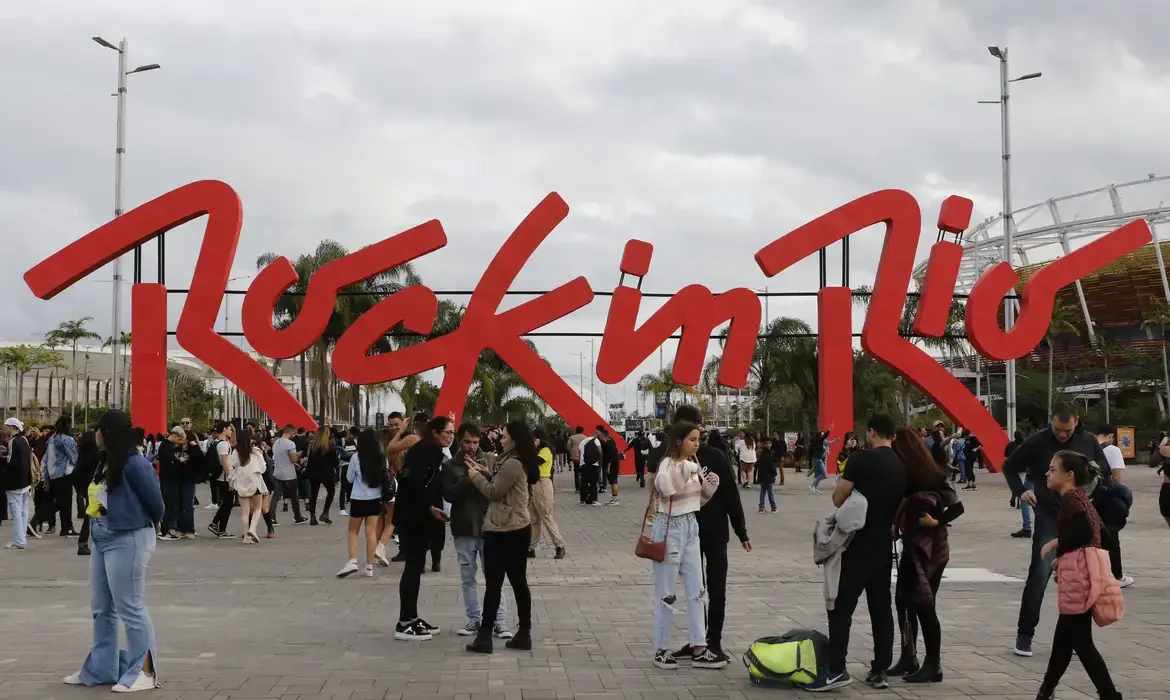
(1107,347)
(1064,320)
(662,382)
(1157,317)
(345,311)
(123,346)
(70,333)
(498,394)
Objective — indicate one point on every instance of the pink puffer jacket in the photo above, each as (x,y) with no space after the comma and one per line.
(1085,582)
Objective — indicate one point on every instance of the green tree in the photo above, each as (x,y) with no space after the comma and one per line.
(1156,315)
(662,382)
(123,349)
(1063,321)
(356,300)
(70,333)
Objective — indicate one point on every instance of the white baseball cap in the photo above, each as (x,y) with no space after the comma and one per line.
(14,423)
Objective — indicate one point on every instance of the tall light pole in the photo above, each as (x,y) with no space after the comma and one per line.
(591,372)
(119,154)
(580,372)
(1009,312)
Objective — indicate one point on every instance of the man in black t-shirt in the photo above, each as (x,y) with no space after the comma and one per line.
(878,474)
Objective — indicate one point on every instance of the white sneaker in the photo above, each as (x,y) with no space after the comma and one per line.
(350,567)
(380,555)
(74,679)
(210,506)
(144,681)
(368,570)
(1125,581)
(342,512)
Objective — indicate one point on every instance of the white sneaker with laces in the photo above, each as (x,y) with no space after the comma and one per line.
(368,570)
(350,567)
(380,555)
(144,681)
(469,630)
(1125,581)
(73,679)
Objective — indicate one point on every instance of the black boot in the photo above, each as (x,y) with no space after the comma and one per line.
(931,672)
(908,660)
(1044,693)
(522,640)
(560,553)
(483,641)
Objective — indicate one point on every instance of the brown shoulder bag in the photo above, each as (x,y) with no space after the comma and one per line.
(646,547)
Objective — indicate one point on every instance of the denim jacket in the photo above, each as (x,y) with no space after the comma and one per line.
(138,501)
(64,456)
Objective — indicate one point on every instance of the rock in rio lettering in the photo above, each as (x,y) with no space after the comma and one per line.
(694,309)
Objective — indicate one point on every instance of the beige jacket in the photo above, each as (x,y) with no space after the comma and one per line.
(507,494)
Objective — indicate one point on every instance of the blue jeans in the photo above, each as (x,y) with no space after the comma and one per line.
(1025,509)
(469,554)
(682,557)
(18,514)
(962,467)
(819,473)
(1039,571)
(117,590)
(767,489)
(180,507)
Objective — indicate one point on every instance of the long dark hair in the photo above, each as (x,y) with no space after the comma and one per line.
(244,442)
(524,447)
(430,431)
(371,461)
(922,472)
(678,432)
(715,439)
(545,441)
(119,442)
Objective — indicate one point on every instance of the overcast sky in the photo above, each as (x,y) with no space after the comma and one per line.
(707,127)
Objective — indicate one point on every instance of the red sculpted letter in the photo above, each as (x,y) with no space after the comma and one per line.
(195,330)
(148,370)
(1039,294)
(695,310)
(835,366)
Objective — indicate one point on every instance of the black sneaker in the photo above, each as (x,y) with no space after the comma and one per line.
(224,534)
(411,632)
(213,529)
(300,521)
(709,659)
(1022,534)
(469,630)
(877,679)
(431,629)
(685,652)
(665,660)
(830,682)
(1023,645)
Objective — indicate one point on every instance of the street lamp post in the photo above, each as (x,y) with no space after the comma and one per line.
(580,372)
(1009,312)
(119,155)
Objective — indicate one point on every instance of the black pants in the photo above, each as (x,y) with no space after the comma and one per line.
(81,491)
(346,489)
(56,504)
(590,482)
(227,501)
(437,531)
(1075,633)
(315,485)
(287,489)
(413,542)
(576,477)
(640,471)
(715,559)
(911,614)
(862,570)
(1111,542)
(505,554)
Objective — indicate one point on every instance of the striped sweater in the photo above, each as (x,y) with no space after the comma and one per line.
(682,494)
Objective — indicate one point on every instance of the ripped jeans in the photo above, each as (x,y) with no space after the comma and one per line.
(682,557)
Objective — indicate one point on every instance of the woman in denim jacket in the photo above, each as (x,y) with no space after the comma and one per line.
(125,506)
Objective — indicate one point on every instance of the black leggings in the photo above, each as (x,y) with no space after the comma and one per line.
(506,554)
(912,615)
(315,485)
(413,542)
(1075,633)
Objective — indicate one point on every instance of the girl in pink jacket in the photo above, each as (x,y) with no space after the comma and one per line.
(1078,527)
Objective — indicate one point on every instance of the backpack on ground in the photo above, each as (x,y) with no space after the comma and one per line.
(797,657)
(591,454)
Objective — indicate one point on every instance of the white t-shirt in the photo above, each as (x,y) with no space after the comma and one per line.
(1113,457)
(282,465)
(223,449)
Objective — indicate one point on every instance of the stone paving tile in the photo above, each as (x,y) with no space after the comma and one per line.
(272,621)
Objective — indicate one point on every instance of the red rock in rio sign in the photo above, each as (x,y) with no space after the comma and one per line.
(694,309)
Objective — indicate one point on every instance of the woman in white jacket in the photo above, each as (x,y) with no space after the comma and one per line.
(246,477)
(680,489)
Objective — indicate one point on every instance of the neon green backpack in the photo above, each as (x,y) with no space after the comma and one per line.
(796,657)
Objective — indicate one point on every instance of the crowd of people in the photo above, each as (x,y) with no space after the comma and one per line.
(492,489)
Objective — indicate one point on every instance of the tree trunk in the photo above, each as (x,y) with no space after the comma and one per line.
(52,381)
(124,387)
(367,406)
(304,383)
(1049,376)
(73,402)
(37,387)
(19,392)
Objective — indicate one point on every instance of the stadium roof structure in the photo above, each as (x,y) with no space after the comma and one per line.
(1056,226)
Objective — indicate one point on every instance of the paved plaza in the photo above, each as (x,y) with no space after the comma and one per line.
(272,621)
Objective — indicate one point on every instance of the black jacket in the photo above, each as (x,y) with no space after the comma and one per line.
(1033,457)
(766,468)
(322,465)
(170,469)
(468,504)
(419,487)
(16,468)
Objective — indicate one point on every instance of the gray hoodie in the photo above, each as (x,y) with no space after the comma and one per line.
(831,538)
